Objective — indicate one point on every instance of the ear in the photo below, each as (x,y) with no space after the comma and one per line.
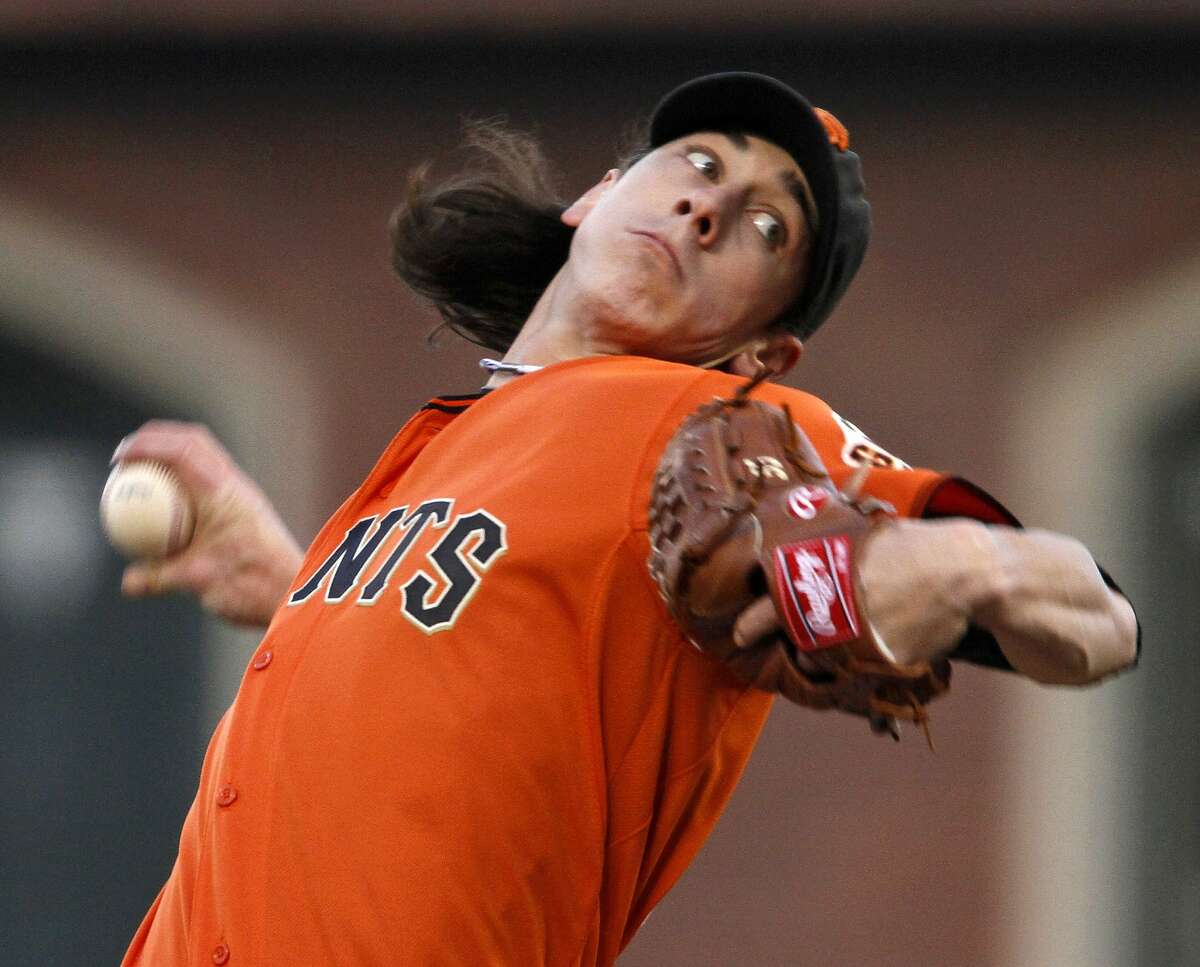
(587,201)
(778,352)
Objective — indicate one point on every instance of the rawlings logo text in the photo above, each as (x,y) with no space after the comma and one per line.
(817,591)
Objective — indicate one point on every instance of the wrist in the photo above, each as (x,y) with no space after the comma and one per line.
(285,564)
(986,580)
(924,581)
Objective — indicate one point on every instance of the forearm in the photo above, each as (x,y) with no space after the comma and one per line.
(1049,609)
(1040,595)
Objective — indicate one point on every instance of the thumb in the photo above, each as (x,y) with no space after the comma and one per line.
(755,622)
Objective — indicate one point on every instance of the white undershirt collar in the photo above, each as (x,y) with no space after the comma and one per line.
(518,369)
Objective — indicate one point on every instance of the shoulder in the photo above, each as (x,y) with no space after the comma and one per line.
(641,402)
(840,442)
(612,403)
(621,411)
(604,376)
(845,448)
(631,407)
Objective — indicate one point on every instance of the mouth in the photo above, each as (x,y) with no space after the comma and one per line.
(663,247)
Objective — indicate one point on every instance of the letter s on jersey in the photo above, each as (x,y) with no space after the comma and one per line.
(478,537)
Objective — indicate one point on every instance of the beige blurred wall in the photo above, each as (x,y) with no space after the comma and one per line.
(1093,848)
(1013,186)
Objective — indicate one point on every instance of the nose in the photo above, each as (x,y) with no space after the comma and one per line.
(703,211)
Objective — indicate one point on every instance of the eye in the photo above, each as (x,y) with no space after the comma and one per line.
(770,227)
(705,163)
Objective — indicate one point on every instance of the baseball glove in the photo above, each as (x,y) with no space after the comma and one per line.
(742,507)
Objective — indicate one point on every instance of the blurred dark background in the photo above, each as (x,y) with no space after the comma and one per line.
(193,222)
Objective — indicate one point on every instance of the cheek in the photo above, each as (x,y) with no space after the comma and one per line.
(610,262)
(596,245)
(749,292)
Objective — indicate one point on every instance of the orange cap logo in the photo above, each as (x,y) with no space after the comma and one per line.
(839,137)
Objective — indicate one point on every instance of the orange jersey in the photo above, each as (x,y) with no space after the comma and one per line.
(472,735)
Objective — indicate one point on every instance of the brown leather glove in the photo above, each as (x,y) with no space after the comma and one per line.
(742,507)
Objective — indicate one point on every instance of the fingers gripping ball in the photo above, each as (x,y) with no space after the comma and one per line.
(145,511)
(741,508)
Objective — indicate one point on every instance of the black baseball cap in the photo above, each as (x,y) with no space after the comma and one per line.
(749,103)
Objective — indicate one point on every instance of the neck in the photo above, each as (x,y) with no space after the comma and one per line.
(564,325)
(552,333)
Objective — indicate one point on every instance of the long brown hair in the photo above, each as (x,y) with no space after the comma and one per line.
(484,243)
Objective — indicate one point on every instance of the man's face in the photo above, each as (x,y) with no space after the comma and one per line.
(693,251)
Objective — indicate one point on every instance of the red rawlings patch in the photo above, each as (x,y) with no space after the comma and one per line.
(817,592)
(804,501)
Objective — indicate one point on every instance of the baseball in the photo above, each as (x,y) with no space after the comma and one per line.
(145,511)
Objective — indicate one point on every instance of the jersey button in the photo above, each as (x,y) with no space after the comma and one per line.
(262,660)
(226,797)
(220,954)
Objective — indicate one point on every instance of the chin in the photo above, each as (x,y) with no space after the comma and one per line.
(636,324)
